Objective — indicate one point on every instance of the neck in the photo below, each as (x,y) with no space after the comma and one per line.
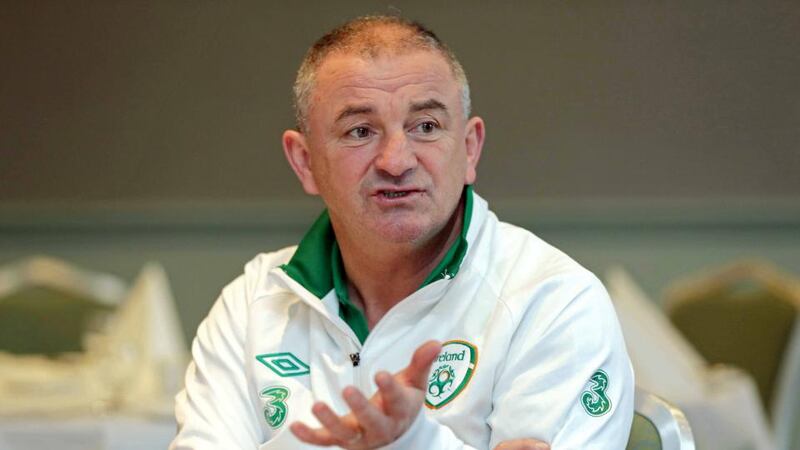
(380,275)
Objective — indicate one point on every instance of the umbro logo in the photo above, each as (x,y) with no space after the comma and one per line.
(284,364)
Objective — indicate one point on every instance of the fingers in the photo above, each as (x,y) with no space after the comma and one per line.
(416,374)
(393,397)
(368,416)
(522,444)
(365,424)
(336,426)
(315,436)
(335,430)
(381,419)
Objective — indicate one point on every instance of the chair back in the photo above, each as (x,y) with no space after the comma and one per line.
(658,425)
(748,315)
(47,306)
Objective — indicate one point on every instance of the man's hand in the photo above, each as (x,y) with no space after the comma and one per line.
(380,420)
(522,444)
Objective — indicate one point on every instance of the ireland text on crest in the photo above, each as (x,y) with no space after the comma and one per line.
(450,373)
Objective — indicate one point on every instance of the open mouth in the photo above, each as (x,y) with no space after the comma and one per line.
(395,194)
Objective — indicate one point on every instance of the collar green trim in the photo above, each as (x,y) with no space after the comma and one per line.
(317,265)
(311,263)
(351,315)
(449,265)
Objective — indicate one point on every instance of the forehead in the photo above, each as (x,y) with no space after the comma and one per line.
(349,77)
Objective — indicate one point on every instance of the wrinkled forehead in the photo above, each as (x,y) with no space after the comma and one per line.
(344,77)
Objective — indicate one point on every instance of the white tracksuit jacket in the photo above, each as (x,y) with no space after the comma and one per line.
(533,349)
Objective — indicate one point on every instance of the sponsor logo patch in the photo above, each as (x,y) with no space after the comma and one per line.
(594,397)
(284,364)
(450,373)
(275,408)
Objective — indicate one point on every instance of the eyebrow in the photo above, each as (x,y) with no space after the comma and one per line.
(354,111)
(415,107)
(428,104)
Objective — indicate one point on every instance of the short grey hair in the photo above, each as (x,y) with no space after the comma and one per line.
(362,36)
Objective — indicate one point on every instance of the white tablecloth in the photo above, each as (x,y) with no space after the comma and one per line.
(86,433)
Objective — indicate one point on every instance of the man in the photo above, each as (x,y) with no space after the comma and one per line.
(511,344)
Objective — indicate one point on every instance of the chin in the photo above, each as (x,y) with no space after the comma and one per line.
(403,232)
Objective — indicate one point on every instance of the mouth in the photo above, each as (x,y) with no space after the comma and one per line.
(395,193)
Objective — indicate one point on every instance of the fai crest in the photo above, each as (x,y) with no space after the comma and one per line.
(450,373)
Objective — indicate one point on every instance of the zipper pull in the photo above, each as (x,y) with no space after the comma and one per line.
(355,358)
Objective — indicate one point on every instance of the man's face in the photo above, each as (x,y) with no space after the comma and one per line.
(388,147)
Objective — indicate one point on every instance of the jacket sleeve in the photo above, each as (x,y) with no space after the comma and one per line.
(567,379)
(214,410)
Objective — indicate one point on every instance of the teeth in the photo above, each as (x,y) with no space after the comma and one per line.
(396,194)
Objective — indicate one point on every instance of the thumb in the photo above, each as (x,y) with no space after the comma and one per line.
(416,374)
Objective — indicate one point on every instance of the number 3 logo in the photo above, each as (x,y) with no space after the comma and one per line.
(595,400)
(276,410)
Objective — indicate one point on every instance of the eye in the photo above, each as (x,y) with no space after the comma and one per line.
(359,133)
(427,127)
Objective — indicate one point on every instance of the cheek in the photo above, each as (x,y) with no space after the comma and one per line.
(344,172)
(455,164)
(319,169)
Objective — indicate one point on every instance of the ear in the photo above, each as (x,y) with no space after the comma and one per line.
(297,153)
(473,140)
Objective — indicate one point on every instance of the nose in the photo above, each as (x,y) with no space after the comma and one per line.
(395,155)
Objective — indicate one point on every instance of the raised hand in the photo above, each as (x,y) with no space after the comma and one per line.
(381,419)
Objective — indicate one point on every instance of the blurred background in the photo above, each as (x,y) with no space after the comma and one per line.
(660,137)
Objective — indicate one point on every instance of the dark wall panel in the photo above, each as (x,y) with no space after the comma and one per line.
(152,101)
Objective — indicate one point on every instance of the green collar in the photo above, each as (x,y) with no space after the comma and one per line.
(317,265)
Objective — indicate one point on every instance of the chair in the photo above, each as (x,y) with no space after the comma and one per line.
(36,290)
(658,425)
(720,401)
(131,358)
(747,314)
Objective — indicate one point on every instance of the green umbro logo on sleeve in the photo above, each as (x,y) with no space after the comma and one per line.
(284,364)
(595,398)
